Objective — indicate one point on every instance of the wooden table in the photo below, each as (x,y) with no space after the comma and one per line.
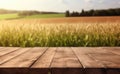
(60,60)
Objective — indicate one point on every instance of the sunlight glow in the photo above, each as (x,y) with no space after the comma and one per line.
(58,5)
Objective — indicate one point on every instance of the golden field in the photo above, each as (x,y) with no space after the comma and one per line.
(75,31)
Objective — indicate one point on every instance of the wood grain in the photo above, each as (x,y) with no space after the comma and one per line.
(60,60)
(26,59)
(7,50)
(106,57)
(65,62)
(9,56)
(42,65)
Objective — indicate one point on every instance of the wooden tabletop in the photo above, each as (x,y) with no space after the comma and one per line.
(60,60)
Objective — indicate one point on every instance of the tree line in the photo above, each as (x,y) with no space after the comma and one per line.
(4,11)
(92,12)
(29,13)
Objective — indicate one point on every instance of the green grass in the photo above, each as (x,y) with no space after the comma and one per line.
(64,34)
(46,16)
(15,16)
(8,16)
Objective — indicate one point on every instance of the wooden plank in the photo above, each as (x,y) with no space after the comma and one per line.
(22,63)
(65,62)
(39,71)
(26,59)
(45,60)
(113,71)
(42,65)
(115,50)
(11,55)
(101,53)
(60,60)
(91,66)
(86,60)
(109,59)
(14,71)
(8,50)
(95,71)
(2,48)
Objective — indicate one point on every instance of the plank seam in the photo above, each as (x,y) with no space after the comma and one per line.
(111,51)
(77,58)
(105,66)
(2,49)
(10,52)
(38,58)
(98,61)
(15,56)
(50,69)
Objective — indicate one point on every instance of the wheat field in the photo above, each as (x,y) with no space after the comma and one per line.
(21,34)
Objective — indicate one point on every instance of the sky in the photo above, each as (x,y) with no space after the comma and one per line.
(58,5)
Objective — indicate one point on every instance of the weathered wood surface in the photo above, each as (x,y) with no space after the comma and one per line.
(60,60)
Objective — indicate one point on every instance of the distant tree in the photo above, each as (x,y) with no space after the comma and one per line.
(67,14)
(96,13)
(111,12)
(82,12)
(91,12)
(75,14)
(28,13)
(117,11)
(103,12)
(4,11)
